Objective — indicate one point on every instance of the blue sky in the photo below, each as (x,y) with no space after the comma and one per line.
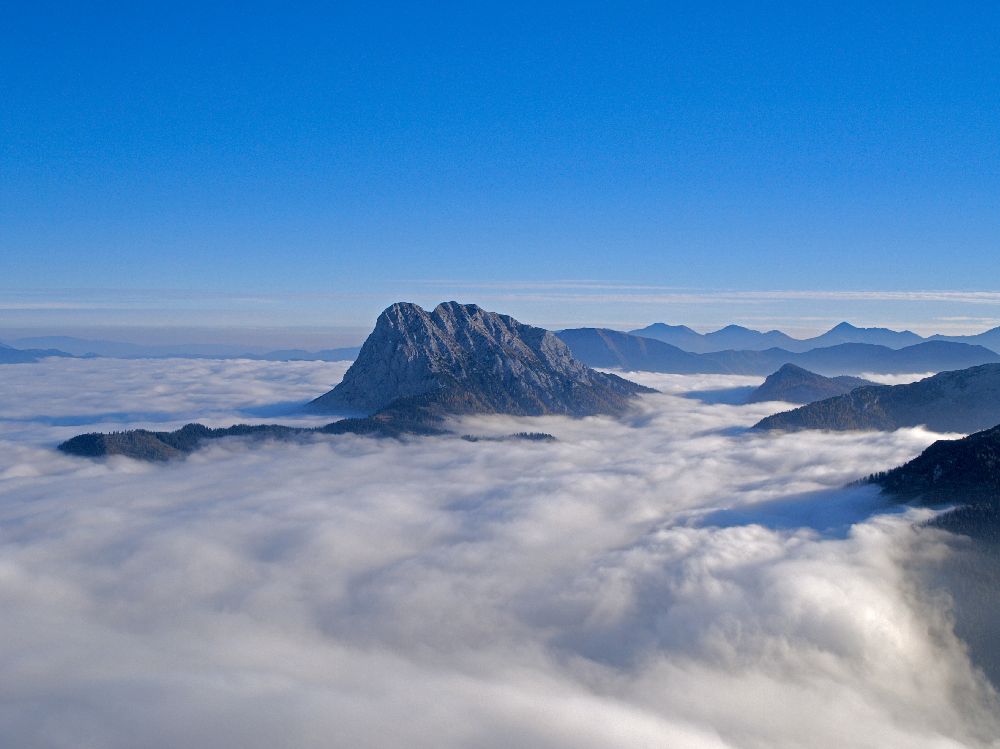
(266,166)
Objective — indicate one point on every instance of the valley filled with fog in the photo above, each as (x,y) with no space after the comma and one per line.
(663,579)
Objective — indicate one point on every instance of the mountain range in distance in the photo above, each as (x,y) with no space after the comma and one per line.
(966,401)
(737,337)
(613,349)
(10,355)
(732,338)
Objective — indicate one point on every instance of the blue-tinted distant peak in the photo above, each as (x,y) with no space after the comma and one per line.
(662,326)
(735,329)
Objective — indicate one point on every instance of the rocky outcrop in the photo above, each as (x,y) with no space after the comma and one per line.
(460,358)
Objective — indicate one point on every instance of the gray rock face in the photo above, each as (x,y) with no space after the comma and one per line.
(966,400)
(793,384)
(460,358)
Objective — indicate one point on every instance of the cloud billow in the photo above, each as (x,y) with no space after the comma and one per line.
(435,592)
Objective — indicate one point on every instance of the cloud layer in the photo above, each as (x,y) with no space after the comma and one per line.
(669,580)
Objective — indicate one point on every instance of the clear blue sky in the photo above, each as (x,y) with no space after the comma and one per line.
(251,164)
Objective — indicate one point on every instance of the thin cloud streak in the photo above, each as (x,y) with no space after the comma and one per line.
(561,291)
(555,304)
(672,295)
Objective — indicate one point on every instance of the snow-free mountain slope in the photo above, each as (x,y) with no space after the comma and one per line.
(793,384)
(967,400)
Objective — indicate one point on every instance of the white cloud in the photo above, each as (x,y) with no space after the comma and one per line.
(72,395)
(666,580)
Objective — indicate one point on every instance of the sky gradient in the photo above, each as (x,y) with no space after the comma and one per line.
(261,166)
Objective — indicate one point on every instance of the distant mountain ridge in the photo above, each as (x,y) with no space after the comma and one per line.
(11,355)
(602,347)
(741,338)
(967,400)
(680,336)
(989,338)
(731,338)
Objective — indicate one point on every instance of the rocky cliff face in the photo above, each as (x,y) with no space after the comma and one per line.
(460,358)
(966,400)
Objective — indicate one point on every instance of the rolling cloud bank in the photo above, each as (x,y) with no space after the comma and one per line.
(664,580)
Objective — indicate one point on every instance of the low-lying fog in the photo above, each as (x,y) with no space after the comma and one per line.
(669,580)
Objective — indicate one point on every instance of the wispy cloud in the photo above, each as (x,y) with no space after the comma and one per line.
(605,291)
(558,303)
(35,306)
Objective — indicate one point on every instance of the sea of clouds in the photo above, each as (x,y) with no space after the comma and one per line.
(668,579)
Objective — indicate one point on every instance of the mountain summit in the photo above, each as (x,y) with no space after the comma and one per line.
(966,400)
(460,358)
(794,384)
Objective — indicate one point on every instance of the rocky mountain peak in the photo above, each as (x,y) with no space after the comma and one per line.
(492,361)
